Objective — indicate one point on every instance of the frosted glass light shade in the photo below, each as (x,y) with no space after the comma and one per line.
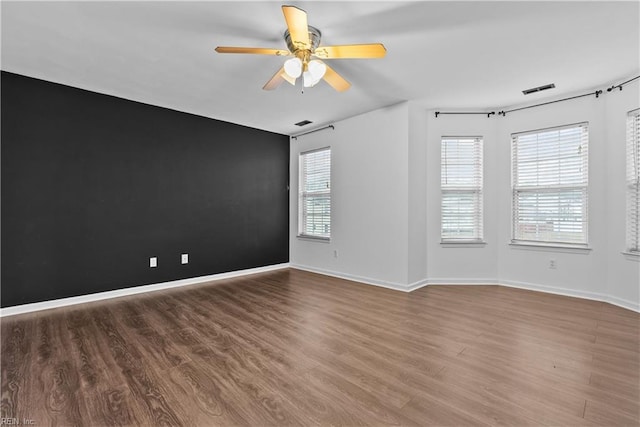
(308,80)
(293,67)
(317,69)
(315,72)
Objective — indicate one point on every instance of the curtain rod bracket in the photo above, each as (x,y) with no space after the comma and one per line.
(619,86)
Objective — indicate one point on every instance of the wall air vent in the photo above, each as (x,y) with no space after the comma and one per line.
(538,89)
(303,123)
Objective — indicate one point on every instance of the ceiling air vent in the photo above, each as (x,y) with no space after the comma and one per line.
(539,88)
(303,123)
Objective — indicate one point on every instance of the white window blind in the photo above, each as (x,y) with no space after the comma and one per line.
(550,185)
(461,187)
(315,194)
(633,181)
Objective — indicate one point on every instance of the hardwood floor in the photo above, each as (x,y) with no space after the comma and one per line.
(295,348)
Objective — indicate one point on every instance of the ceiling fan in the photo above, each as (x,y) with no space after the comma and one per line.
(303,42)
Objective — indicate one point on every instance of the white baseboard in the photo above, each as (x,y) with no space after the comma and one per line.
(630,305)
(595,296)
(462,281)
(554,290)
(360,279)
(63,302)
(624,303)
(417,285)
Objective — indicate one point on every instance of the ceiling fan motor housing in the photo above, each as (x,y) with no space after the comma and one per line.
(314,39)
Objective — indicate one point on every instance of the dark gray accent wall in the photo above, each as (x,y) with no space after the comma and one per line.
(94,185)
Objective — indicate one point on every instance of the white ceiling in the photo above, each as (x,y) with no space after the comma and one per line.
(444,55)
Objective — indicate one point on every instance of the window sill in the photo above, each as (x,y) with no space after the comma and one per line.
(632,256)
(463,244)
(552,247)
(314,238)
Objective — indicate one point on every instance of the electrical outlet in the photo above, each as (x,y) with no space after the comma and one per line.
(153,261)
(184,258)
(335,254)
(552,264)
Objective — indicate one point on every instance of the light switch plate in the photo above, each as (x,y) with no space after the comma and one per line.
(185,258)
(153,261)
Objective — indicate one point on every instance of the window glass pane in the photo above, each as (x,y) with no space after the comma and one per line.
(550,177)
(317,212)
(555,216)
(315,194)
(459,215)
(461,184)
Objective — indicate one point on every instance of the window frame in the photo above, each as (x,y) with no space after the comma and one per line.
(632,183)
(541,189)
(303,195)
(476,191)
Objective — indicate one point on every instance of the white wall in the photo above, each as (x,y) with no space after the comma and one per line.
(369,206)
(386,202)
(577,273)
(623,272)
(456,264)
(417,195)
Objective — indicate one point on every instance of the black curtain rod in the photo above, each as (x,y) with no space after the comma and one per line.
(312,131)
(597,93)
(619,86)
(489,114)
(503,113)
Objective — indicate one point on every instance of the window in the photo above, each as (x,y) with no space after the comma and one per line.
(550,185)
(461,186)
(314,204)
(633,181)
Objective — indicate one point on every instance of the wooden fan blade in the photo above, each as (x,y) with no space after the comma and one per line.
(275,81)
(288,78)
(297,25)
(335,80)
(376,50)
(279,77)
(257,50)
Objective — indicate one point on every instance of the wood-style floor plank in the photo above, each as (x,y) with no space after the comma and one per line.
(296,348)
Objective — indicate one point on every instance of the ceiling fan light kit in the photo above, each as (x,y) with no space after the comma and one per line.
(293,67)
(303,42)
(315,71)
